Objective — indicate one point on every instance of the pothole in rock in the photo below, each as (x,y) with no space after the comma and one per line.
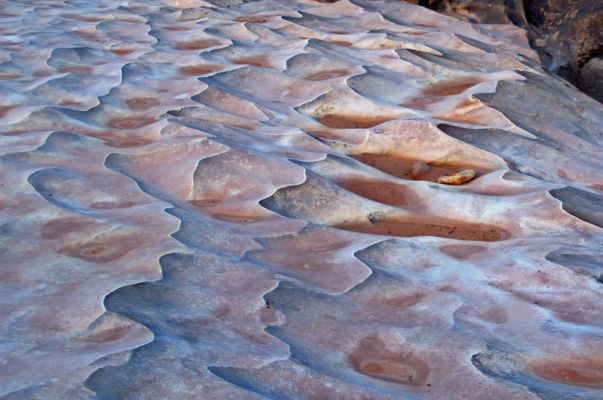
(380,191)
(372,358)
(322,202)
(407,168)
(404,227)
(348,121)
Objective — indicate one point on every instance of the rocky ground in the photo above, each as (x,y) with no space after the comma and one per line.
(568,34)
(300,199)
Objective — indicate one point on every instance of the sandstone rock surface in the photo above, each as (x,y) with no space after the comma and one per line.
(239,200)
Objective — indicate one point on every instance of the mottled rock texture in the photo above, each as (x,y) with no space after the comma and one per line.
(239,200)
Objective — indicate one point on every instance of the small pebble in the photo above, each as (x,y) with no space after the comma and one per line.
(419,169)
(458,178)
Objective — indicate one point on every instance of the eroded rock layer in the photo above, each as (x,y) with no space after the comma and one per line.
(228,200)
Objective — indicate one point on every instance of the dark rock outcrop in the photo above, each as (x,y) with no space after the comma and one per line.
(568,34)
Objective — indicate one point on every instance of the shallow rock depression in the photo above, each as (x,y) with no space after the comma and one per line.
(302,199)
